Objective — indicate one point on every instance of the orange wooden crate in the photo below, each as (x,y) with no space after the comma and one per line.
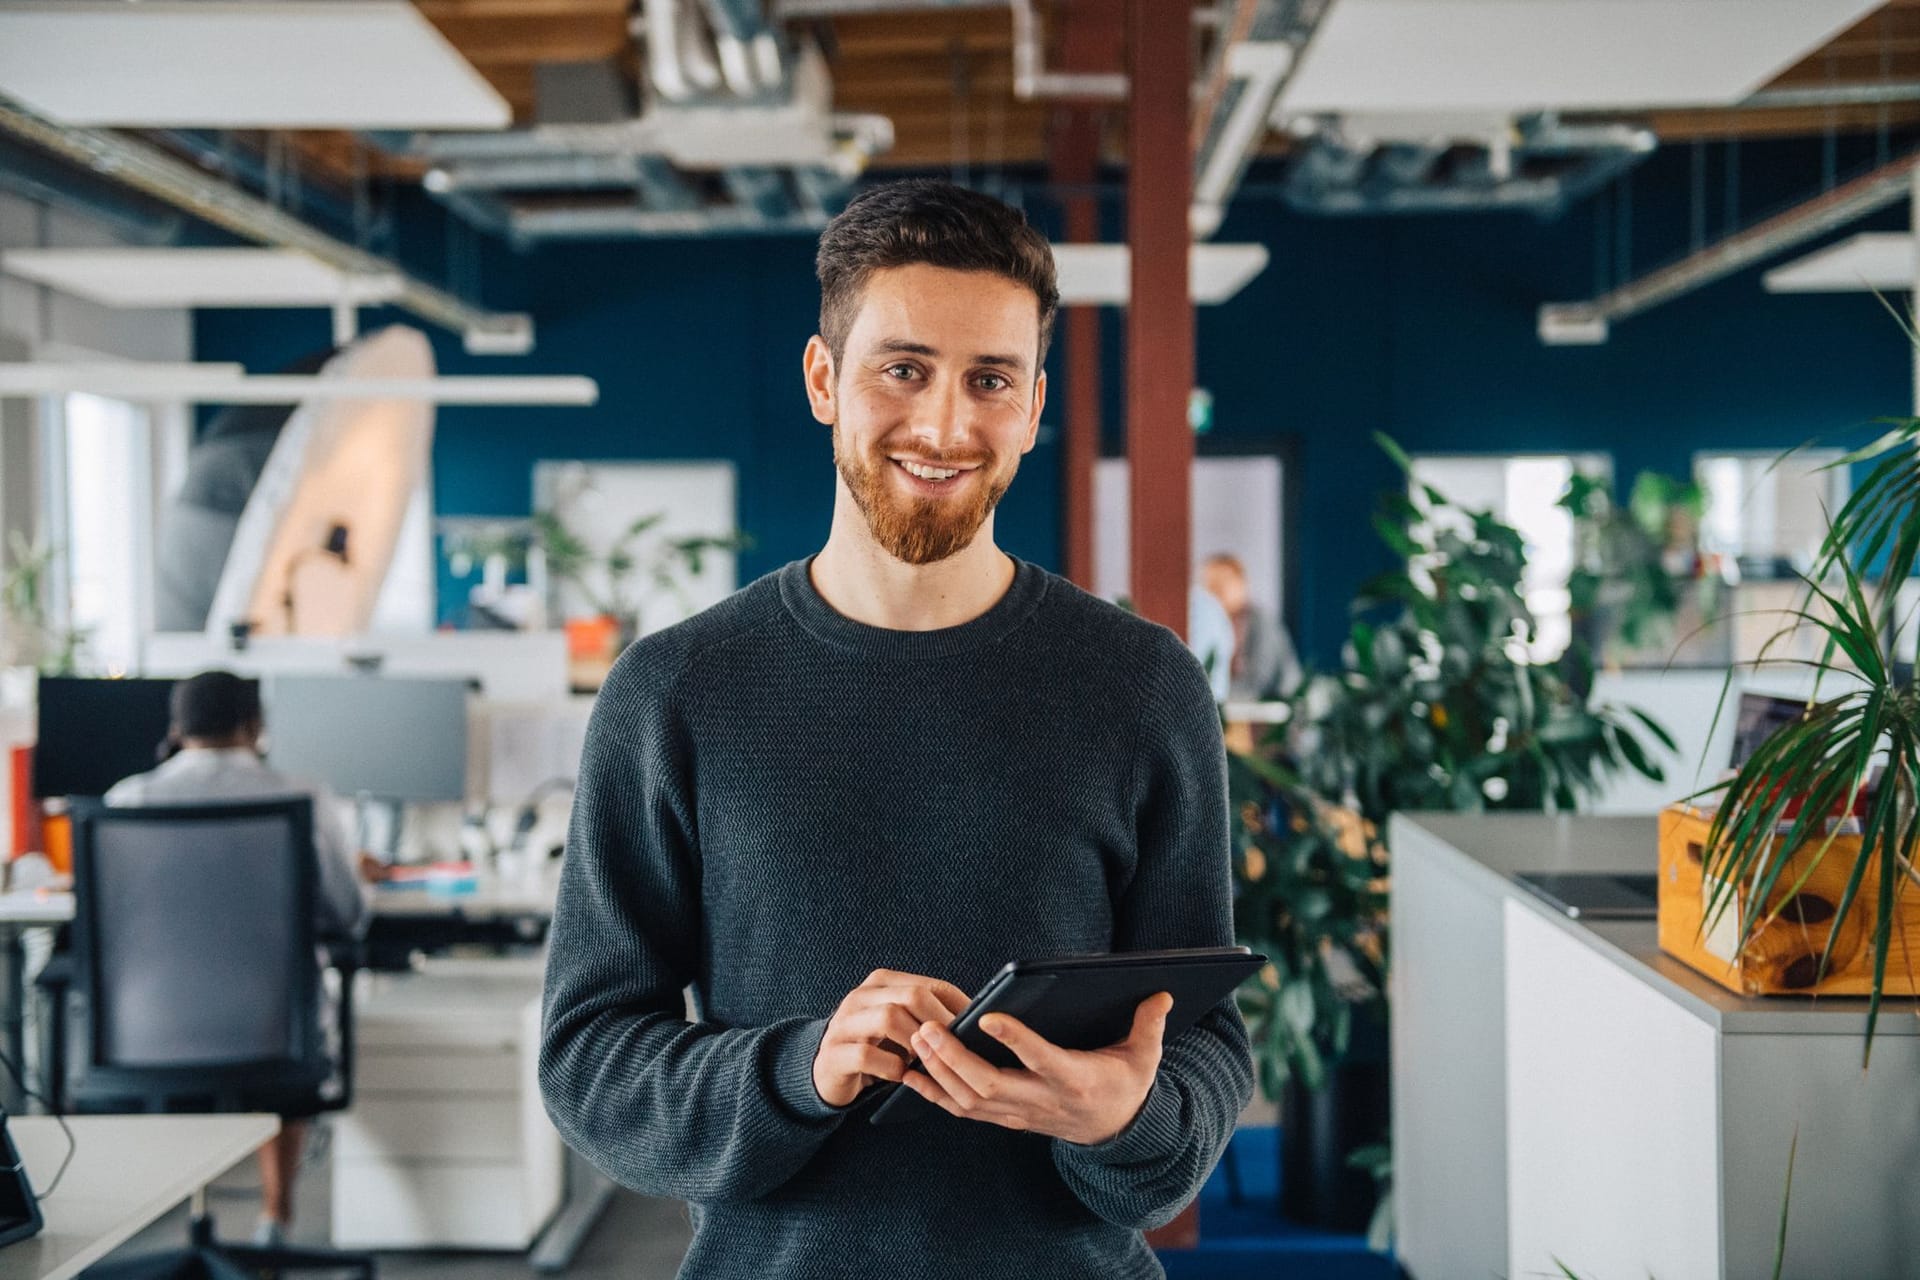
(1784,957)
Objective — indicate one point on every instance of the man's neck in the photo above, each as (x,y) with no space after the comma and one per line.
(860,580)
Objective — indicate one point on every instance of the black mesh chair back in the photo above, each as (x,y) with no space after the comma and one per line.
(194,955)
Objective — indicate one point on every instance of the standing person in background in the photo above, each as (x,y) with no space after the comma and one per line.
(839,800)
(1264,662)
(217,725)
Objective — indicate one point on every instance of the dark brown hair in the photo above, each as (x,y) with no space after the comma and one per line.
(922,220)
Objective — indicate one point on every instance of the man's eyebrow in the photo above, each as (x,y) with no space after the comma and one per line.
(903,346)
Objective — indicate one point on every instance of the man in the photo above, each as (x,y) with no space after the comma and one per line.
(1264,664)
(837,802)
(216,726)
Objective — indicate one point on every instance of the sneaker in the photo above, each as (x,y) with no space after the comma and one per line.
(269,1233)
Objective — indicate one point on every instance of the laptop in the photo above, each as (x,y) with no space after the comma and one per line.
(1597,895)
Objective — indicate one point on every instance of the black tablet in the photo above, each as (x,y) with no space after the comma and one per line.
(1085,1002)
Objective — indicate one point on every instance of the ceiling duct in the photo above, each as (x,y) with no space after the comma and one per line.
(1261,44)
(1539,164)
(723,96)
(1031,79)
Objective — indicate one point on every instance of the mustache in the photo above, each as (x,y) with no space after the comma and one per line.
(941,457)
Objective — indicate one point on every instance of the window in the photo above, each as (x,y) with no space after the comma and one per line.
(1770,519)
(101,472)
(1524,491)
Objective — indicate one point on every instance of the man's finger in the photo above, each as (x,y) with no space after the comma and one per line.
(1036,1053)
(965,1097)
(872,1060)
(927,1087)
(949,995)
(1150,1022)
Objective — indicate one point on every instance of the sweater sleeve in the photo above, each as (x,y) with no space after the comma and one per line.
(1180,895)
(668,1107)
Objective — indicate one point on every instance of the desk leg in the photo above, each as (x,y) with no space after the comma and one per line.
(13,1006)
(588,1191)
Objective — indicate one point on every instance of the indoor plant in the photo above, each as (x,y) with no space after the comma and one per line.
(1436,705)
(1780,801)
(1636,566)
(611,581)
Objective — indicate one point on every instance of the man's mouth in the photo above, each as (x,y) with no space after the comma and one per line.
(930,474)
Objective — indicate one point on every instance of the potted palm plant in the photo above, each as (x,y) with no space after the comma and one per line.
(1815,831)
(1437,704)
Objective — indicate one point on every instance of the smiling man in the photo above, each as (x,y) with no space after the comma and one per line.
(837,802)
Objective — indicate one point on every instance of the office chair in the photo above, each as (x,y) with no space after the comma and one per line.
(195,988)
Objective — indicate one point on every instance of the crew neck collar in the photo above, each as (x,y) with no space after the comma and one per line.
(804,601)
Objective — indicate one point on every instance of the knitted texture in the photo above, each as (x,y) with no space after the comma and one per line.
(775,801)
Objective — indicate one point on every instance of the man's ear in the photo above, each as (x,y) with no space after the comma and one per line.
(1039,403)
(820,376)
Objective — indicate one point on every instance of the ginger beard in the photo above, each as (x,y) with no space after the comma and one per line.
(921,530)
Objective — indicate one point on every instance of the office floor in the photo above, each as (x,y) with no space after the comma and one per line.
(643,1239)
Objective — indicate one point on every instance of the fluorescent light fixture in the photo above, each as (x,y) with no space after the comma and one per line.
(230,384)
(1566,324)
(1876,260)
(1100,274)
(1528,55)
(166,277)
(240,64)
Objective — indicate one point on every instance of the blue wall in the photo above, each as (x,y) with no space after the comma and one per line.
(1419,327)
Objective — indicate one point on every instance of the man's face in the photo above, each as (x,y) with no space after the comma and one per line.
(935,400)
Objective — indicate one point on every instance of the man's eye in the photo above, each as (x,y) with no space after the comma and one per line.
(902,371)
(994,382)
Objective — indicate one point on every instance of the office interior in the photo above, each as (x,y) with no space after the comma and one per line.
(1598,307)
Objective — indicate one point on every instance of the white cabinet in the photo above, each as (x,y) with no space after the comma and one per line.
(1566,1093)
(446,1144)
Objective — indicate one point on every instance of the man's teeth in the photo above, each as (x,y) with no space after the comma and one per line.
(931,473)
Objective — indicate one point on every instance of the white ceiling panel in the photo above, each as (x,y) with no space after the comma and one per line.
(243,64)
(1882,260)
(1101,274)
(195,277)
(1517,56)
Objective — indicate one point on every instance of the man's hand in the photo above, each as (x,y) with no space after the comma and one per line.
(1084,1097)
(867,1036)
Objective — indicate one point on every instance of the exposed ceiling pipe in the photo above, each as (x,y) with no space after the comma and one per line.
(147,168)
(660,19)
(606,222)
(1259,49)
(1031,79)
(1588,322)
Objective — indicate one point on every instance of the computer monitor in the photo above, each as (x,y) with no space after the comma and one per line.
(1760,716)
(93,733)
(391,739)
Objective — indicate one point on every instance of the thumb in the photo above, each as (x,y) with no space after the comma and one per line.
(1150,1020)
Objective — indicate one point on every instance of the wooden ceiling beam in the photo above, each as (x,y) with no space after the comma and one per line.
(1775,122)
(437,11)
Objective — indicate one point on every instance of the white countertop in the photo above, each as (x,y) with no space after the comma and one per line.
(1488,849)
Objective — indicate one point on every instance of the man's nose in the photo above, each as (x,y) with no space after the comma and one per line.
(940,415)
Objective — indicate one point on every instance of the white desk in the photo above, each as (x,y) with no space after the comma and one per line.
(491,899)
(126,1172)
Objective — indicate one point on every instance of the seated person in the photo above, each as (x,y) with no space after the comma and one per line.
(215,734)
(1263,664)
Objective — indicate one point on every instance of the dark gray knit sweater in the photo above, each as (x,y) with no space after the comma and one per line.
(775,801)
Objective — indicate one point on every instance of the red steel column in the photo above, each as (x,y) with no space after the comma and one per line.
(1160,314)
(1075,162)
